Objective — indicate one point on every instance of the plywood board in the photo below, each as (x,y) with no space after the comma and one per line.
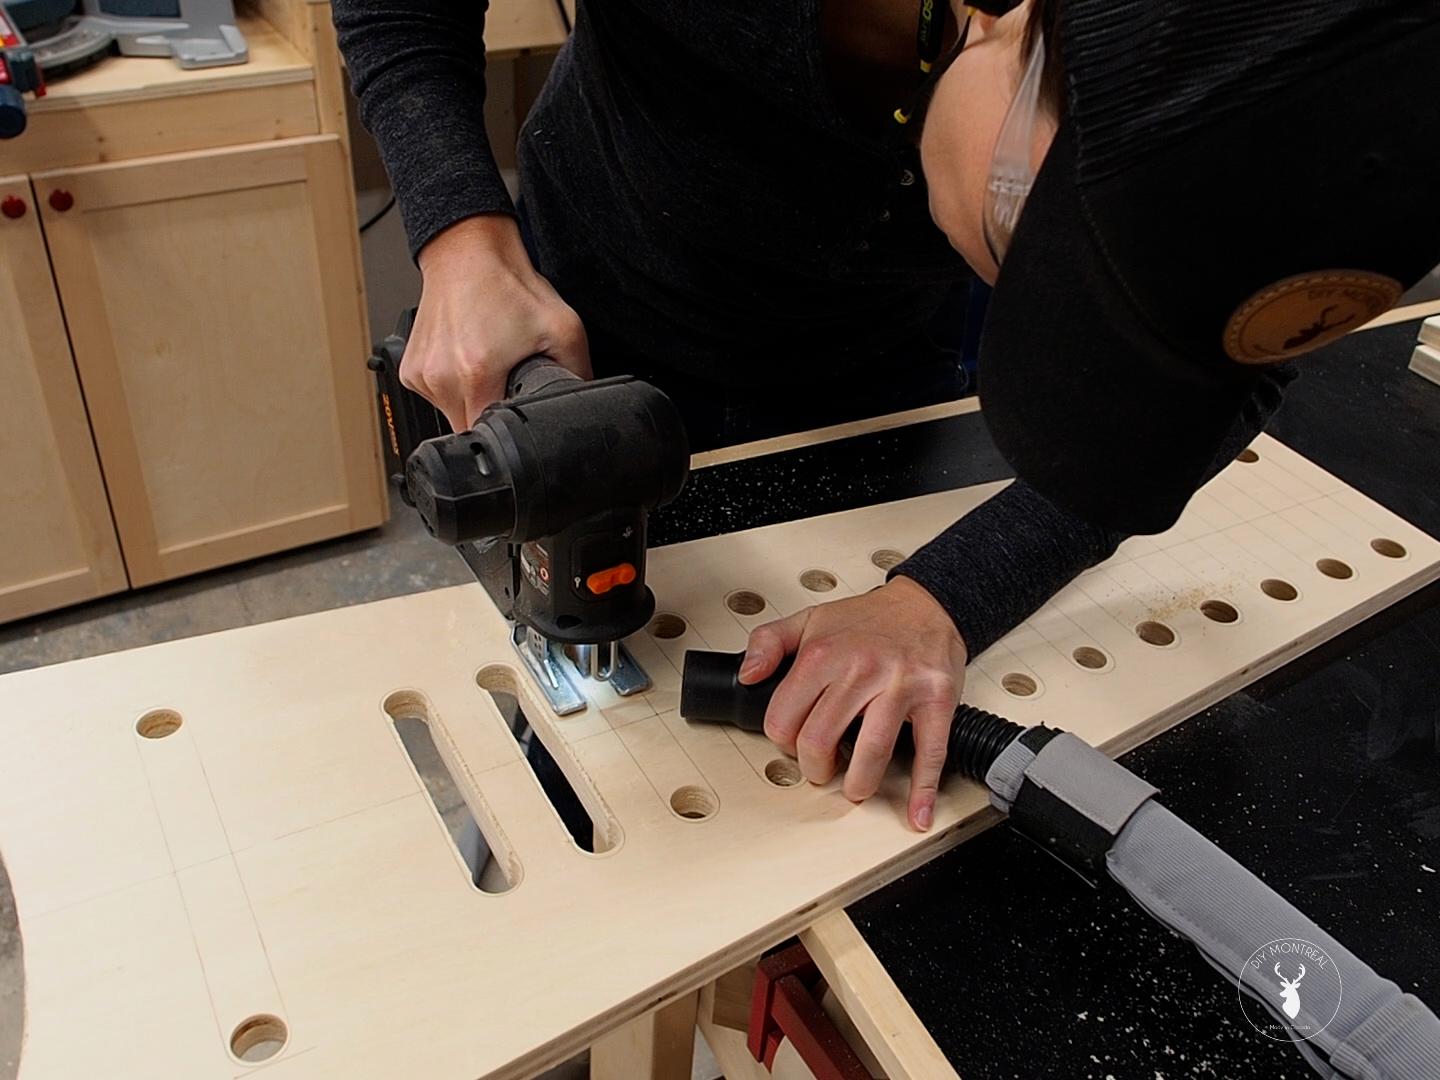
(276,854)
(1425,362)
(1430,332)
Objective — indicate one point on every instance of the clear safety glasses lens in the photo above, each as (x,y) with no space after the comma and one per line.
(1011,174)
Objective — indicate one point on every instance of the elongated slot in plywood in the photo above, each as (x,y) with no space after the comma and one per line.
(592,831)
(483,850)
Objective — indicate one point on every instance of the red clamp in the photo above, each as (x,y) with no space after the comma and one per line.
(784,1006)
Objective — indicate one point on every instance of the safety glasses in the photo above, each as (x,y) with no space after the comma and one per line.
(1011,173)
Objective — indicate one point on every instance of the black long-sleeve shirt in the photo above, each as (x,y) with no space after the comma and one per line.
(694,192)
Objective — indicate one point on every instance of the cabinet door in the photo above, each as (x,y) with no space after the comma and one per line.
(216,311)
(57,543)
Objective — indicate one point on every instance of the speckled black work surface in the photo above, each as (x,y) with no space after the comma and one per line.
(1324,778)
(936,456)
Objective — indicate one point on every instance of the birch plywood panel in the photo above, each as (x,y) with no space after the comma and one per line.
(1425,362)
(267,863)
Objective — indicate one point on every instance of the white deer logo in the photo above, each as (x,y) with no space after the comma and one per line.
(1289,995)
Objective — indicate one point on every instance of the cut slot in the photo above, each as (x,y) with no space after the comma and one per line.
(819,580)
(1279,589)
(887,558)
(1219,611)
(258,1038)
(1248,456)
(493,867)
(1391,549)
(577,805)
(694,803)
(1334,568)
(1019,684)
(1087,656)
(745,602)
(782,772)
(158,723)
(1155,633)
(666,626)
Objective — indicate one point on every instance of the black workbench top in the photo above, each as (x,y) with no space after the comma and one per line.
(1324,777)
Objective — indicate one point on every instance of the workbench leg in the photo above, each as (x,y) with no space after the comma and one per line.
(657,1046)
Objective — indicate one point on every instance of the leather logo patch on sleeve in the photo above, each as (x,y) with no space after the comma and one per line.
(1304,312)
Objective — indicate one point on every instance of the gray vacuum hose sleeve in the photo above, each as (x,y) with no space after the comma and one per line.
(1365,1027)
(1359,1026)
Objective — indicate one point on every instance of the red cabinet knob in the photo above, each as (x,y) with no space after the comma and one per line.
(61,200)
(12,207)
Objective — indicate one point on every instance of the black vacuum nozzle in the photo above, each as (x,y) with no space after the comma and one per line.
(710,690)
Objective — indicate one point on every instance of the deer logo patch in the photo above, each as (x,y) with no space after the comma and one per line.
(1290,317)
(1271,994)
(1288,994)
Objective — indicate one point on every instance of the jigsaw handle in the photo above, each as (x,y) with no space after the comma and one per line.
(536,375)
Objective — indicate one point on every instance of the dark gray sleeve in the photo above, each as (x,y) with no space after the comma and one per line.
(999,563)
(418,68)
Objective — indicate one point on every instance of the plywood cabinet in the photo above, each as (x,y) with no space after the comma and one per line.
(216,321)
(182,306)
(57,543)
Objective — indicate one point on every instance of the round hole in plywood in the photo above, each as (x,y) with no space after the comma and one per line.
(1087,656)
(1279,589)
(157,723)
(693,803)
(667,625)
(1248,456)
(782,772)
(1334,568)
(1019,684)
(1155,633)
(258,1038)
(819,580)
(1391,549)
(887,558)
(1219,611)
(745,602)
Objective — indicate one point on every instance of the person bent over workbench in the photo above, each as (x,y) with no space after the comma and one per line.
(764,208)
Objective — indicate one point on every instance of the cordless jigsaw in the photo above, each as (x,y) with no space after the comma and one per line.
(547,499)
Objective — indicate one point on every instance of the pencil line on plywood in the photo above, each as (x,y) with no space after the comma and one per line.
(664,801)
(730,733)
(418,794)
(175,882)
(244,889)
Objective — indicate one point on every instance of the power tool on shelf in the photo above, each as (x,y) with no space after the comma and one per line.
(547,499)
(54,37)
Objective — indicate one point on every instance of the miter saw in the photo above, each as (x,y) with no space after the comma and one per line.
(50,38)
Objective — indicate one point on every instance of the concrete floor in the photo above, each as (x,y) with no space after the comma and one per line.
(398,558)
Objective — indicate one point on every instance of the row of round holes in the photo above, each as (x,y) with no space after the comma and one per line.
(1157,633)
(667,625)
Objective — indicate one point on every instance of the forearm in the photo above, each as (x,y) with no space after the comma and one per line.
(1001,562)
(1004,559)
(418,68)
